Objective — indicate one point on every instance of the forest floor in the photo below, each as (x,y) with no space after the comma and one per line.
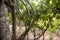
(47,35)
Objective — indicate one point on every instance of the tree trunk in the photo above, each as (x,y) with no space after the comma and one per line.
(13,24)
(14,21)
(4,27)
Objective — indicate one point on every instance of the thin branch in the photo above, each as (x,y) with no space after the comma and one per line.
(10,3)
(30,5)
(42,33)
(47,26)
(34,34)
(26,7)
(50,7)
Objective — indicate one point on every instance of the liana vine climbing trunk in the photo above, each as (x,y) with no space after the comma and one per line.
(4,27)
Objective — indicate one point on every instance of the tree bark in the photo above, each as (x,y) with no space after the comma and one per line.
(14,21)
(13,24)
(4,27)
